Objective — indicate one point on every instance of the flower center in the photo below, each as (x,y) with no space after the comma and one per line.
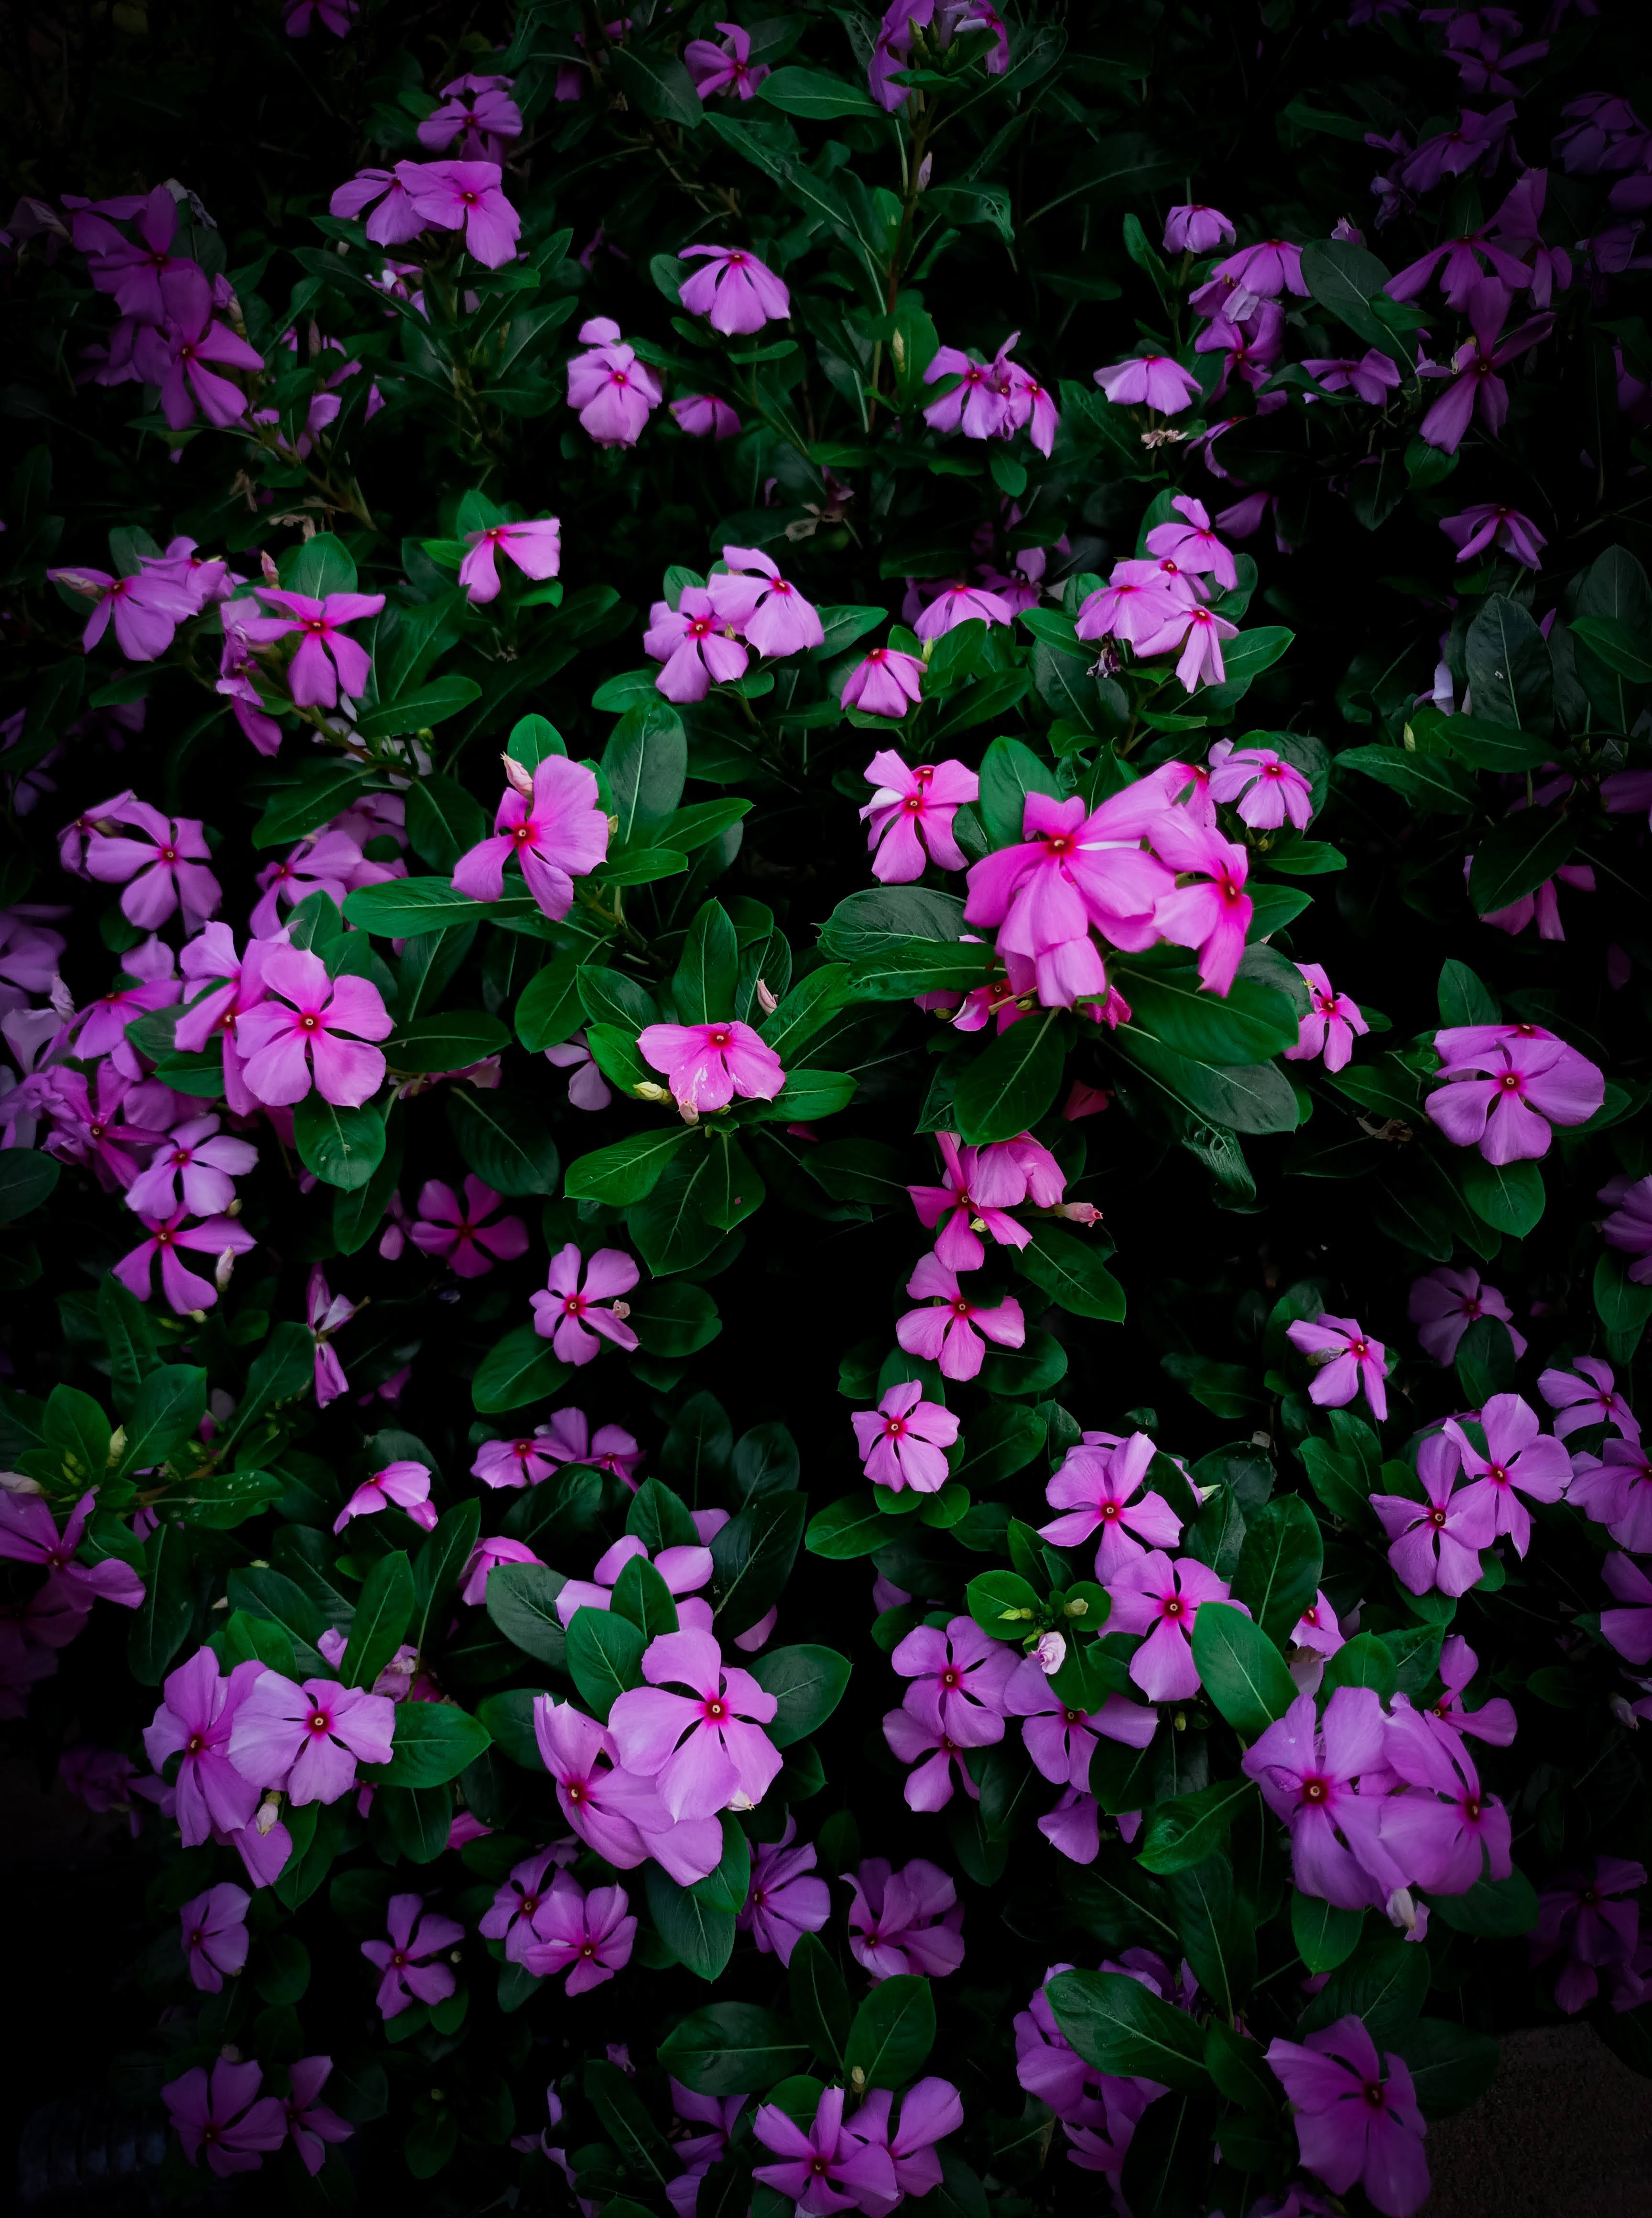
(1436,1518)
(309,1024)
(1109,1509)
(194,1746)
(1316,1791)
(951,1678)
(720,1040)
(576,1792)
(169,854)
(573,1305)
(318,1721)
(1072,1717)
(1509,1081)
(1172,1607)
(1374,2093)
(895,1428)
(1471,1812)
(716,1711)
(589,1950)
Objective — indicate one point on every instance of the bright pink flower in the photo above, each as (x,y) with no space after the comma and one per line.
(164,1236)
(1026,406)
(1349,1362)
(326,1313)
(785,1900)
(403,1958)
(309,2121)
(557,832)
(1135,604)
(222,2116)
(1489,524)
(1331,1024)
(313,1029)
(535,546)
(619,1815)
(1153,1595)
(329,862)
(147,610)
(518,1900)
(1198,633)
(406,1484)
(910,815)
(569,1438)
(974,405)
(1316,1629)
(706,1066)
(962,1202)
(1587,1395)
(1519,1459)
(949,1331)
(1475,366)
(614,392)
(701,415)
(768,611)
(196,1720)
(327,660)
(885,684)
(590,1936)
(176,355)
(929,2110)
(957,604)
(1445,1303)
(1494,1721)
(1356,2122)
(145,981)
(903,1441)
(337,16)
(826,2168)
(1629,1629)
(958,1677)
(1628,1228)
(685,1569)
(1447,1831)
(1308,1772)
(307,1739)
(1372,378)
(1532,1084)
(1271,267)
(727,68)
(522,1462)
(1615,1491)
(465,196)
(1209,909)
(933,1754)
(1269,790)
(195,1162)
(735,292)
(568,1315)
(459,1235)
(393,220)
(1193,228)
(1193,544)
(1155,381)
(696,645)
(481,107)
(486,1558)
(1580,1914)
(703,1749)
(213,1936)
(1062,1739)
(1095,1486)
(1436,1542)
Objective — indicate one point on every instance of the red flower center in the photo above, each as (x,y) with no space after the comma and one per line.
(716,1711)
(719,1039)
(895,1428)
(1109,1509)
(309,1023)
(1072,1717)
(576,1793)
(1316,1791)
(1436,1518)
(318,1721)
(951,1678)
(1172,1607)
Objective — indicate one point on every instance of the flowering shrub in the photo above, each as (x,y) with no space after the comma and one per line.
(825,982)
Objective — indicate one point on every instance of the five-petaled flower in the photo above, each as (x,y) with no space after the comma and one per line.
(570,1312)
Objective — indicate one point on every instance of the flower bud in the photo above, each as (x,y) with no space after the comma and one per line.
(518,777)
(269,1812)
(1624,1713)
(648,1091)
(224,1270)
(766,1000)
(1051,1652)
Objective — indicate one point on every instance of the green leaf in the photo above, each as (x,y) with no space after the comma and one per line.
(1003,1603)
(519,1369)
(753,1557)
(1345,278)
(1244,1097)
(1243,1671)
(433,1743)
(28,1176)
(162,1619)
(168,1411)
(1067,1268)
(1507,1196)
(521,1599)
(452,1039)
(1115,2024)
(403,908)
(1426,781)
(658,84)
(1626,651)
(431,702)
(1184,1831)
(704,1193)
(1507,666)
(1279,1564)
(1517,856)
(1250,1022)
(1365,1661)
(893,2032)
(1218,1936)
(642,1595)
(443,822)
(1451,2066)
(673,1318)
(699,1936)
(807,1683)
(643,2148)
(852,1526)
(864,926)
(1237,2065)
(819,2002)
(548,1010)
(1463,999)
(1384,1982)
(384,1610)
(604,1657)
(1325,1936)
(709,970)
(1008,1087)
(343,1147)
(817,96)
(1499,1909)
(732,2049)
(504,1141)
(645,763)
(1009,771)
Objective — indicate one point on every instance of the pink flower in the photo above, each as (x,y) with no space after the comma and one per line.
(590,1936)
(1209,909)
(458,1235)
(685,1568)
(930,2110)
(1372,378)
(567,1314)
(465,196)
(958,1680)
(161,869)
(194,1159)
(1155,380)
(1095,1486)
(1587,1395)
(1356,2123)
(1531,1083)
(699,1750)
(132,269)
(556,831)
(393,220)
(1628,1228)
(696,645)
(903,1441)
(1490,525)
(1543,903)
(196,1719)
(337,16)
(326,1313)
(1436,1543)
(785,1900)
(479,107)
(765,608)
(974,405)
(826,2168)
(727,68)
(326,661)
(164,1236)
(735,292)
(222,2116)
(929,1782)
(486,1558)
(886,684)
(570,1439)
(1616,1490)
(1153,1595)
(1198,633)
(212,1936)
(1135,604)
(587,1088)
(175,355)
(1447,1831)
(706,1066)
(1519,1459)
(1347,1361)
(1270,791)
(1579,1913)
(406,1484)
(1629,1630)
(147,610)
(145,981)
(523,1462)
(1271,267)
(307,1739)
(535,546)
(910,815)
(1316,1629)
(701,415)
(1445,1303)
(403,1958)
(518,1901)
(1494,1721)
(1192,545)
(1193,228)
(948,1332)
(614,392)
(1475,366)
(904,1921)
(1308,1772)
(310,2122)
(313,1029)
(617,1814)
(956,605)
(980,1186)
(1331,1024)
(1061,1738)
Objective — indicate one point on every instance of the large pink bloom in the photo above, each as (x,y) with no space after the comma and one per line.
(826,2168)
(147,610)
(614,1811)
(696,643)
(766,609)
(404,1484)
(1519,1459)
(1100,1490)
(459,1233)
(958,1678)
(1436,1543)
(703,1749)
(163,866)
(535,546)
(313,1029)
(308,1740)
(1155,381)
(164,1236)
(910,815)
(1308,1773)
(409,1976)
(948,1331)
(568,1313)
(558,833)
(327,659)
(1532,1084)
(706,1065)
(735,292)
(886,683)
(465,196)
(1059,1738)
(194,1721)
(1153,1595)
(1355,2121)
(903,1442)
(1447,1831)
(1349,1360)
(904,1921)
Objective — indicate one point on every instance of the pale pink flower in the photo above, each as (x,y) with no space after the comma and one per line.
(1155,381)
(735,292)
(1519,1458)
(701,415)
(904,1921)
(950,1330)
(569,1313)
(535,546)
(404,1484)
(704,1749)
(885,684)
(706,1066)
(1347,1361)
(1158,1596)
(910,815)
(466,197)
(1100,1489)
(1269,790)
(307,1739)
(956,605)
(614,392)
(1530,1084)
(556,832)
(1193,228)
(903,1441)
(1436,1543)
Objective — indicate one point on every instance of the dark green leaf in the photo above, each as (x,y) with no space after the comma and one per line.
(504,1141)
(893,2033)
(384,1610)
(1010,1084)
(807,1683)
(1115,2024)
(343,1147)
(519,1369)
(1243,1671)
(521,1599)
(604,1656)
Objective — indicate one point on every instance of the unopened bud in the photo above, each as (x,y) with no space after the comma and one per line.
(924,168)
(117,1445)
(517,776)
(1051,1652)
(622,1310)
(688,1112)
(272,575)
(1625,1712)
(15,1482)
(612,826)
(1077,1607)
(197,1317)
(858,2078)
(1179,1723)
(233,1208)
(63,1001)
(269,1812)
(437,2095)
(766,1000)
(1078,1212)
(978,1225)
(1015,1616)
(648,1091)
(742,1801)
(224,1270)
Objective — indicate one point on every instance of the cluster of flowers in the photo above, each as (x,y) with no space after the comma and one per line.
(744,604)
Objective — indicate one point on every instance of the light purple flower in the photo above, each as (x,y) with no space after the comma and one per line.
(929,1782)
(1436,1542)
(904,1921)
(765,608)
(212,1936)
(1446,1832)
(735,292)
(1192,228)
(535,546)
(1269,790)
(327,659)
(1372,378)
(310,2122)
(696,645)
(1349,1361)
(974,405)
(701,415)
(1616,1490)
(1489,524)
(570,1315)
(1062,1739)
(1445,1303)
(1587,1395)
(825,2168)
(1494,1721)
(146,610)
(725,68)
(590,1936)
(406,1484)
(394,219)
(1519,1459)
(403,1958)
(785,1898)
(307,1739)
(701,1750)
(1153,1595)
(1100,1489)
(1269,268)
(1356,2122)
(220,1237)
(226,2116)
(930,2110)
(1531,1084)
(1153,380)
(903,1441)
(614,392)
(957,604)
(958,1680)
(313,1029)
(194,1721)
(479,107)
(458,1233)
(1628,1228)
(486,1557)
(466,197)
(587,1089)
(618,1814)
(886,683)
(948,1331)
(1580,1914)
(29,1534)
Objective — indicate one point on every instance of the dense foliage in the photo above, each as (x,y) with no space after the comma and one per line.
(828,1202)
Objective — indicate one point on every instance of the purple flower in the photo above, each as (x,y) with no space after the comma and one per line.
(195,1720)
(194,1159)
(1156,380)
(481,107)
(313,1031)
(212,1936)
(486,1558)
(309,2121)
(706,1066)
(222,2116)
(885,684)
(326,660)
(1356,2122)
(222,1236)
(959,1677)
(701,1749)
(29,1534)
(1587,1395)
(1269,790)
(1579,1913)
(132,269)
(950,1330)
(1316,1629)
(1616,1491)
(1308,1774)
(903,1442)
(1519,1459)
(590,1936)
(930,2110)
(701,415)
(1269,268)
(1445,1303)
(974,405)
(957,604)
(326,1313)
(1198,633)
(1137,602)
(308,1740)
(406,1484)
(518,1902)
(393,220)
(1629,1630)
(147,610)
(1153,1595)
(1489,524)
(785,1900)
(161,869)
(685,1570)
(727,68)
(568,1313)
(696,645)
(930,1783)
(1530,1084)
(1628,1228)
(1098,1487)
(556,830)
(1446,1832)
(459,1234)
(614,392)
(769,612)
(1492,1721)
(409,1977)
(1348,1360)
(1475,366)
(1062,1739)
(1436,1542)
(1332,1022)
(465,196)
(825,2168)
(735,292)
(1372,378)
(337,16)
(910,815)
(617,1813)
(587,1089)
(1192,228)
(176,356)
(535,546)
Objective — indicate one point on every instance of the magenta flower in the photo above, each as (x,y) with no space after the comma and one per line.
(569,1438)
(567,1314)
(590,1936)
(974,405)
(1330,1026)
(617,1814)
(930,2110)
(1436,1543)
(1192,545)
(1153,1595)
(1308,1773)
(1587,1395)
(1209,910)
(825,2168)
(1062,1739)
(458,1235)
(195,1720)
(1198,633)
(308,1740)
(1026,406)
(403,1958)
(1047,2067)
(1193,228)
(326,1313)
(486,1558)
(701,415)
(222,2116)
(785,1898)
(406,1484)
(903,1442)
(518,1900)
(146,610)
(1347,1361)
(1531,1084)
(1316,1629)
(1579,1913)
(727,68)
(1269,790)
(910,813)
(735,292)
(1137,602)
(132,269)
(706,1066)
(337,16)
(1445,1303)
(1372,378)
(394,219)
(313,1029)
(1629,1629)
(696,645)
(1447,1831)
(1489,524)
(176,356)
(957,604)
(886,684)
(326,661)
(614,392)
(1494,1721)
(309,2121)
(465,196)
(958,1209)
(1476,383)
(950,1330)
(535,548)
(1155,381)
(224,1237)
(1628,1228)
(556,830)
(685,1569)
(1095,1486)
(194,1168)
(1357,2123)
(522,1462)
(29,1534)
(767,610)
(705,1749)
(1269,268)
(958,1680)
(1616,1490)
(213,1936)
(1519,1459)
(479,107)
(145,981)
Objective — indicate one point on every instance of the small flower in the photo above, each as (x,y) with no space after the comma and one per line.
(556,832)
(765,608)
(327,1313)
(535,546)
(614,392)
(568,1313)
(885,684)
(826,2168)
(587,1088)
(1161,1597)
(701,415)
(1587,1395)
(703,1749)
(458,1235)
(1193,228)
(406,1484)
(1347,1361)
(785,1900)
(1269,790)
(1436,1543)
(1098,1486)
(1519,1458)
(727,68)
(307,1739)
(1529,1084)
(486,1560)
(1155,380)
(327,660)
(949,1331)
(735,292)
(309,2121)
(1332,1024)
(706,1066)
(1489,524)
(903,1441)
(164,1236)
(213,1935)
(588,1936)
(465,196)
(409,1977)
(910,815)
(146,610)
(226,2116)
